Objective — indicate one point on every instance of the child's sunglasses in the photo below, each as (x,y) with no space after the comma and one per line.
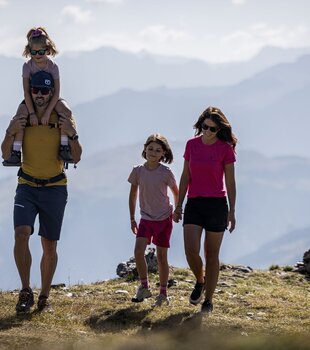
(207,127)
(40,52)
(44,91)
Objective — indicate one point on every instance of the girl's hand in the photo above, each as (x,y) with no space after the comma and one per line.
(134,227)
(45,119)
(231,221)
(177,214)
(33,119)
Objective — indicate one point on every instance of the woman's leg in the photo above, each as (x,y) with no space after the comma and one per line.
(212,246)
(192,238)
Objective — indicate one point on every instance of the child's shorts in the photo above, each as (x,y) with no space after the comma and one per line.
(211,213)
(157,232)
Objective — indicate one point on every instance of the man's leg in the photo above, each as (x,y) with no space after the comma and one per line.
(48,264)
(22,254)
(23,260)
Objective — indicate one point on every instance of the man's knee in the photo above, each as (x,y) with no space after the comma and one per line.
(49,246)
(22,233)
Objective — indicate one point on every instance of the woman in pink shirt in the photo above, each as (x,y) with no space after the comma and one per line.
(207,178)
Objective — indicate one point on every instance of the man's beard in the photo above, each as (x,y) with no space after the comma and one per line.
(40,101)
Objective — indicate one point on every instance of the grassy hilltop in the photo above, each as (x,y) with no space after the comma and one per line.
(256,310)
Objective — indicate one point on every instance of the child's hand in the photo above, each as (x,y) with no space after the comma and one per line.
(134,227)
(33,119)
(45,119)
(177,214)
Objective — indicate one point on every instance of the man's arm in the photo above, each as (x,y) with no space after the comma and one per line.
(68,127)
(17,124)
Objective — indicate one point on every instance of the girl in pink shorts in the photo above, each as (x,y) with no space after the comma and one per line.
(152,180)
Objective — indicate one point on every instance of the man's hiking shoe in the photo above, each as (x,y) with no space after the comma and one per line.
(25,300)
(197,292)
(43,303)
(65,154)
(14,160)
(161,300)
(206,307)
(142,293)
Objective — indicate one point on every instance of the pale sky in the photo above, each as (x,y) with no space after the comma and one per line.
(215,31)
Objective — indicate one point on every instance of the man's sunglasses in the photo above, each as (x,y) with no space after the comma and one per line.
(207,127)
(40,52)
(44,91)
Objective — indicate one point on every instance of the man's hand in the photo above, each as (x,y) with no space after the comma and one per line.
(66,124)
(18,123)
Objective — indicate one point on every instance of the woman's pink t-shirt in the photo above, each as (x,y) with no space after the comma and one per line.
(206,166)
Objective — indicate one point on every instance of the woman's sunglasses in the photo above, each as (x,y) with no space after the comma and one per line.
(40,52)
(44,91)
(207,127)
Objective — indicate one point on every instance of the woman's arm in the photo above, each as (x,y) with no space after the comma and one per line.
(133,195)
(184,181)
(229,170)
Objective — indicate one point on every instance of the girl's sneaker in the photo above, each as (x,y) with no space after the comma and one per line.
(160,300)
(142,293)
(206,307)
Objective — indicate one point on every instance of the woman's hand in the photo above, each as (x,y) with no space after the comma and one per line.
(177,214)
(231,221)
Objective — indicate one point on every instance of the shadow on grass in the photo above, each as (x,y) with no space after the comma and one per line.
(14,321)
(181,322)
(117,320)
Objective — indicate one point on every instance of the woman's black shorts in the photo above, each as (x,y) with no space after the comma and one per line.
(211,213)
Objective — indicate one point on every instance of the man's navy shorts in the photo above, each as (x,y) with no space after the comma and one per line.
(48,202)
(211,213)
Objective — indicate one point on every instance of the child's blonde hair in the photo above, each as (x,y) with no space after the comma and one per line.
(39,36)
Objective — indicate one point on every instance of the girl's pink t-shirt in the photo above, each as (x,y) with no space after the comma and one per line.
(30,68)
(206,166)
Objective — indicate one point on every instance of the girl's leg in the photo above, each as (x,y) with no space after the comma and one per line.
(63,108)
(140,246)
(163,268)
(212,246)
(192,238)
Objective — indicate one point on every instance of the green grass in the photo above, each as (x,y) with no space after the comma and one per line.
(258,310)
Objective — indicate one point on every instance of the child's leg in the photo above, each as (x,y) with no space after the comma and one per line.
(140,246)
(63,108)
(18,139)
(163,267)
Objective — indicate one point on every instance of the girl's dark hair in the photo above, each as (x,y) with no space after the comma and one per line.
(218,117)
(39,36)
(163,142)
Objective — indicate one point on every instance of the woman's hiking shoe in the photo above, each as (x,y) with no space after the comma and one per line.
(43,303)
(196,296)
(25,300)
(206,307)
(142,293)
(160,300)
(14,160)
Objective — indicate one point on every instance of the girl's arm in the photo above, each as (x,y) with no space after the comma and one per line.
(133,195)
(27,96)
(175,191)
(52,102)
(229,170)
(185,178)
